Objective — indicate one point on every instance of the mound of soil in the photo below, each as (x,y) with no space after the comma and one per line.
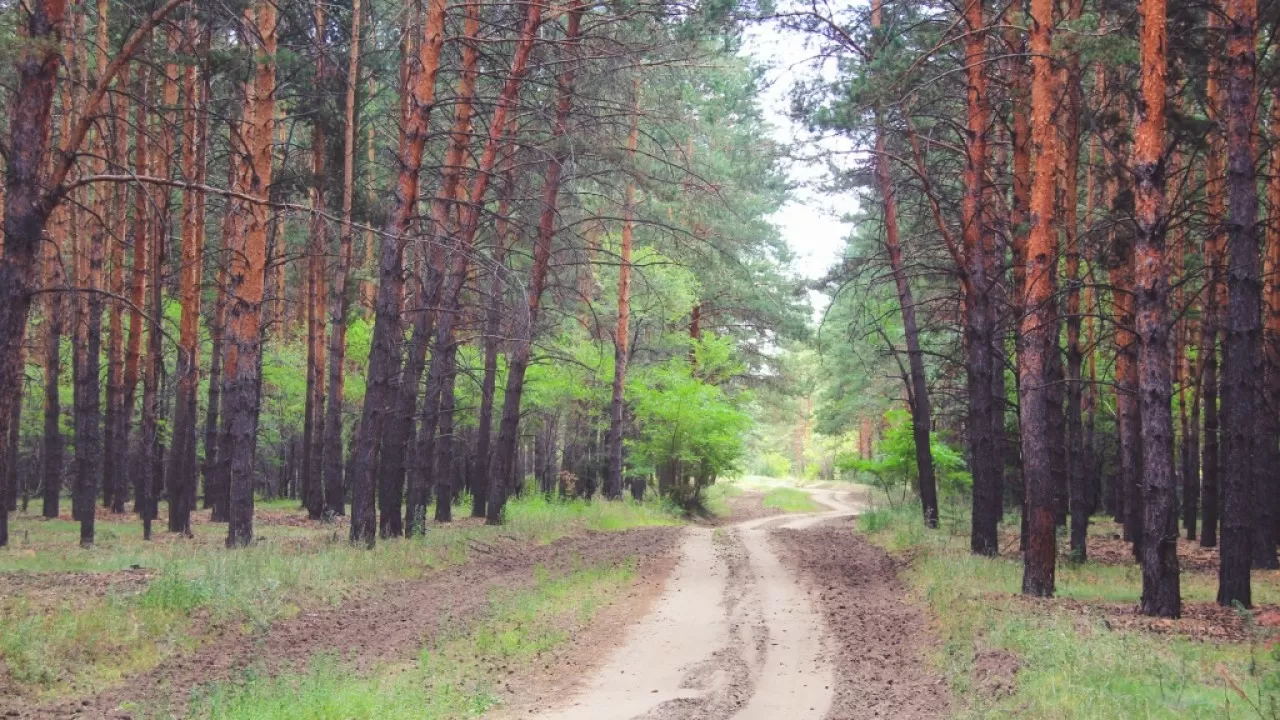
(878,640)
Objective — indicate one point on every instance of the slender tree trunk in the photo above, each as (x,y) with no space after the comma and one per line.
(213,404)
(418,80)
(446,444)
(1271,274)
(1039,321)
(1160,589)
(340,302)
(313,411)
(52,455)
(243,335)
(493,326)
(1242,351)
(980,331)
(149,472)
(518,362)
(107,222)
(613,477)
(182,458)
(1215,298)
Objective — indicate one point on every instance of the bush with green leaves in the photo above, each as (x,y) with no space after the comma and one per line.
(773,464)
(690,428)
(893,469)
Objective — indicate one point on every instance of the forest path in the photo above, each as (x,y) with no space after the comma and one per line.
(733,635)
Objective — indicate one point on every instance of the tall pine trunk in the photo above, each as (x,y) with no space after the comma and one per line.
(1159,553)
(419,82)
(1271,273)
(1215,297)
(1039,322)
(242,362)
(985,419)
(182,452)
(1242,348)
(613,475)
(340,302)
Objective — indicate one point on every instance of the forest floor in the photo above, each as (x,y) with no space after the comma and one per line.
(765,617)
(1086,653)
(774,608)
(183,628)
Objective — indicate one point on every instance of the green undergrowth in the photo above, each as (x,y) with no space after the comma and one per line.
(1072,663)
(456,676)
(716,498)
(790,500)
(130,604)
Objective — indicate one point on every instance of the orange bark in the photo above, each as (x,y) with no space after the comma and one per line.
(248,261)
(1038,321)
(1160,587)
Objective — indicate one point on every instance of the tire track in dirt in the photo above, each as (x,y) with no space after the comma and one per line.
(393,624)
(733,636)
(877,639)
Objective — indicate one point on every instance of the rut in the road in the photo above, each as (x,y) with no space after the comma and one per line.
(726,679)
(878,640)
(733,636)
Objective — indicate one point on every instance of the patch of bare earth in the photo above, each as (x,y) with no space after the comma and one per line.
(563,671)
(1202,621)
(53,589)
(877,640)
(747,506)
(392,625)
(1107,546)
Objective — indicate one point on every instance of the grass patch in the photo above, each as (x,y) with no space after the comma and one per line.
(716,497)
(790,500)
(1072,666)
(454,677)
(68,637)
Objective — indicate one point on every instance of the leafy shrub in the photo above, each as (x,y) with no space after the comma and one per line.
(774,464)
(894,470)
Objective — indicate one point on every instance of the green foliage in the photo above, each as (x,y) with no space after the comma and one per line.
(894,467)
(686,424)
(773,464)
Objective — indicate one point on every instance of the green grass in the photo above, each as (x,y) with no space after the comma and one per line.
(790,500)
(716,497)
(1072,665)
(454,677)
(73,641)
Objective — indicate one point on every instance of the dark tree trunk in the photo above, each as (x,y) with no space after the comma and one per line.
(918,390)
(1209,495)
(488,385)
(446,445)
(1244,500)
(384,358)
(396,445)
(52,458)
(213,406)
(1159,551)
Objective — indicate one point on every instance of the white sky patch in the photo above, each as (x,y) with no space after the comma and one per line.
(811,221)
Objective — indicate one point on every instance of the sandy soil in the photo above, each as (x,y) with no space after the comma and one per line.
(877,639)
(394,624)
(734,635)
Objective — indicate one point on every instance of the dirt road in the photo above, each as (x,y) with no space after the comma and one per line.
(734,635)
